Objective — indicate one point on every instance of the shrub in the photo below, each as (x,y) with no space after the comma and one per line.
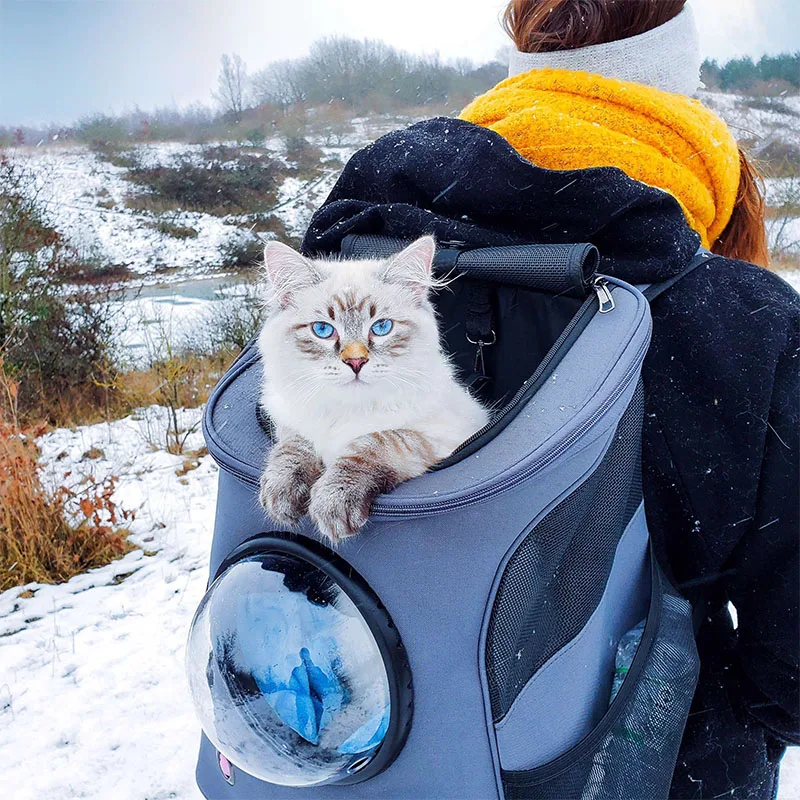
(228,324)
(175,230)
(782,223)
(50,536)
(780,159)
(241,253)
(101,130)
(50,339)
(225,185)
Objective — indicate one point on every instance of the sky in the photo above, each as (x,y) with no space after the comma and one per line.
(61,59)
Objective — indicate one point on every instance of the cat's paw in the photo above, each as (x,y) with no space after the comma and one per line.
(284,497)
(339,508)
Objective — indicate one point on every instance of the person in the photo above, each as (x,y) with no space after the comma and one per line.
(605,83)
(595,138)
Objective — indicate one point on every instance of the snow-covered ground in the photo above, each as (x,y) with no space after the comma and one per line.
(93,700)
(76,185)
(85,194)
(85,199)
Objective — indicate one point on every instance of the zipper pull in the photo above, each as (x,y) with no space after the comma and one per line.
(480,365)
(604,295)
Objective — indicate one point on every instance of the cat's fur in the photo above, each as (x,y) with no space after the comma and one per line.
(357,413)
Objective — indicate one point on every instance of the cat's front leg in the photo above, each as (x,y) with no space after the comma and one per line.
(372,464)
(292,468)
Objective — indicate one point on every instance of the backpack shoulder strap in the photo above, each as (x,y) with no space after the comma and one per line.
(702,256)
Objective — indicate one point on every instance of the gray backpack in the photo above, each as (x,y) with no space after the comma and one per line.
(465,643)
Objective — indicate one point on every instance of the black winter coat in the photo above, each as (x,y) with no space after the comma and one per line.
(721,446)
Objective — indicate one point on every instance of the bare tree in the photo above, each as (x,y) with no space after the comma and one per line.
(231,84)
(280,84)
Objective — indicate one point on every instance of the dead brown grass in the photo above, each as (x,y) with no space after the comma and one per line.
(48,536)
(118,394)
(785,262)
(39,539)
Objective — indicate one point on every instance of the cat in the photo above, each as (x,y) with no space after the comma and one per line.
(358,389)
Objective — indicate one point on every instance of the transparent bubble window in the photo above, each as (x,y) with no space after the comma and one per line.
(287,676)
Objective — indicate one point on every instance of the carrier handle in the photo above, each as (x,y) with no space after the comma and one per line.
(553,268)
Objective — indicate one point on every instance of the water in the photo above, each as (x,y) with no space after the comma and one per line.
(154,319)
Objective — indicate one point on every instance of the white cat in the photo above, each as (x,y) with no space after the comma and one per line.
(356,384)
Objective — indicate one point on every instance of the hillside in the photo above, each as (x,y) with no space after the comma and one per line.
(151,211)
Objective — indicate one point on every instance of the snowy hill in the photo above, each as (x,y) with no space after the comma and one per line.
(90,200)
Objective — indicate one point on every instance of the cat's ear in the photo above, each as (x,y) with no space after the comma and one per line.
(287,271)
(413,267)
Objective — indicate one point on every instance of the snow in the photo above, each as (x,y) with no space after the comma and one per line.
(92,682)
(93,698)
(74,182)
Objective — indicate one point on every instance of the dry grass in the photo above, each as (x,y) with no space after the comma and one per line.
(188,380)
(39,541)
(49,536)
(785,262)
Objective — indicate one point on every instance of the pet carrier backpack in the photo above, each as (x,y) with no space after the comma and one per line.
(463,644)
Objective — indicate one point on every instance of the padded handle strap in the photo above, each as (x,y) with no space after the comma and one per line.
(553,268)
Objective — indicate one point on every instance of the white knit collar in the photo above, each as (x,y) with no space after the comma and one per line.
(667,57)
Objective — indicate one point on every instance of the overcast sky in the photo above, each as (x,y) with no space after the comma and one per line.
(60,59)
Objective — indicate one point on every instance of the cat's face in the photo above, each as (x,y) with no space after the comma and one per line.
(359,328)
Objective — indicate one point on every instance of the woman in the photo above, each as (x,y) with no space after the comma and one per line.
(720,446)
(598,98)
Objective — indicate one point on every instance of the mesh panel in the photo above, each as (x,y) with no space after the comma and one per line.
(557,575)
(632,753)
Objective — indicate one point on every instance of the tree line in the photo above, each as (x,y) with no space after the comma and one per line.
(363,75)
(770,74)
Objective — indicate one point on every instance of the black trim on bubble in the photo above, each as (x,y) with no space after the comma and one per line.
(386,635)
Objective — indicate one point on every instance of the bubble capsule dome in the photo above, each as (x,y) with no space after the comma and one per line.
(297,674)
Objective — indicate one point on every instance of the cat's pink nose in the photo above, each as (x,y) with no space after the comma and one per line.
(356,364)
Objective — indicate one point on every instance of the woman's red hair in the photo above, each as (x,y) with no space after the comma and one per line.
(540,26)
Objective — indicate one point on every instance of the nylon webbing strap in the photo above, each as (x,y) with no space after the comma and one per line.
(702,256)
(479,313)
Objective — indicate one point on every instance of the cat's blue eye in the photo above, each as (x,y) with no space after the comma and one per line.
(323,329)
(382,327)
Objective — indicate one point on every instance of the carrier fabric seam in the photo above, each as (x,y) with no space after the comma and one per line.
(555,659)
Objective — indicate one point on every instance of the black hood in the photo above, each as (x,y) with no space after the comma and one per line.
(465,183)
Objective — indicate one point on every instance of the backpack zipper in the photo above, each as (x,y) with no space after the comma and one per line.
(604,295)
(389,509)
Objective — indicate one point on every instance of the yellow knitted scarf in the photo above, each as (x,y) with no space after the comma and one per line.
(565,120)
